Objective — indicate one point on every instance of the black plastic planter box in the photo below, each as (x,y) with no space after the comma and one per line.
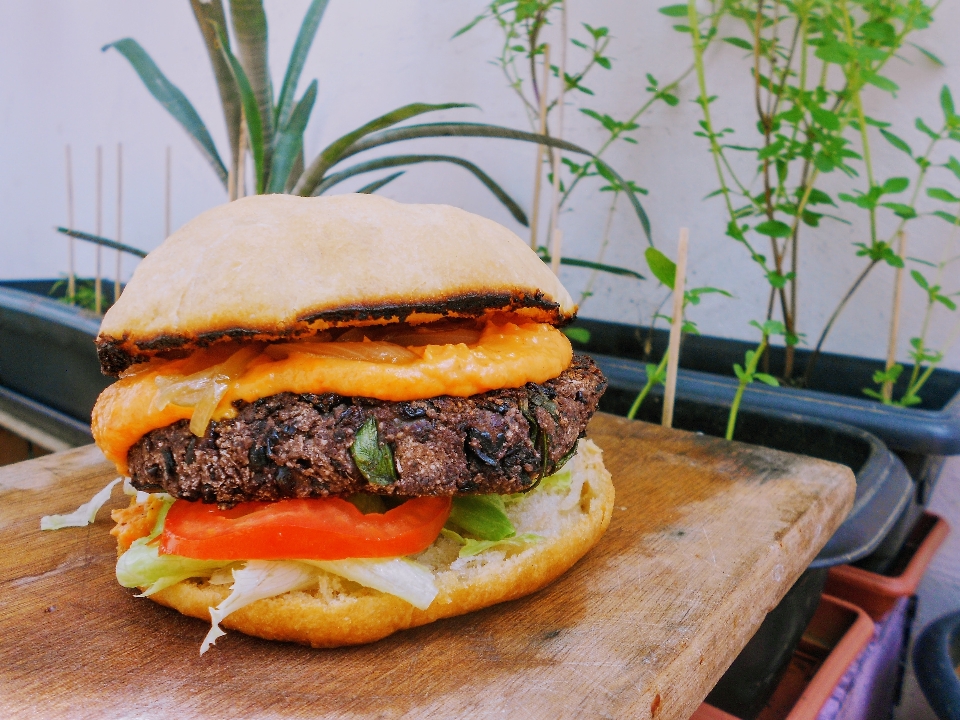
(885,494)
(921,435)
(47,352)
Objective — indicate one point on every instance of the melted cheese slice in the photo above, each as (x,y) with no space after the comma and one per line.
(506,355)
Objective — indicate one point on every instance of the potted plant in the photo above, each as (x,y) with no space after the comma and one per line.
(808,128)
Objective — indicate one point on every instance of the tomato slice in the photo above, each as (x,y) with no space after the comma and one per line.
(308,529)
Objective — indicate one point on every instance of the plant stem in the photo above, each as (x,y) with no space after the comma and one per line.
(651,381)
(750,369)
(812,361)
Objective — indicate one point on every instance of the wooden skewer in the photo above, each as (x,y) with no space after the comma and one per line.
(166,205)
(535,208)
(679,284)
(556,245)
(555,209)
(119,266)
(98,281)
(72,277)
(887,390)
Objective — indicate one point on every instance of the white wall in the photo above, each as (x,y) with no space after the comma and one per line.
(57,87)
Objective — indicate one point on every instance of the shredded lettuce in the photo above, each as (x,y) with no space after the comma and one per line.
(560,480)
(475,547)
(483,516)
(404,578)
(143,565)
(258,579)
(83,515)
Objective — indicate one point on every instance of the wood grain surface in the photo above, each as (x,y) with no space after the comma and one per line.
(705,539)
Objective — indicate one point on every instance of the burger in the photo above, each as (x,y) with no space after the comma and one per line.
(342,417)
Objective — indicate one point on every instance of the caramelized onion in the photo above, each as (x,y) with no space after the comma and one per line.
(202,390)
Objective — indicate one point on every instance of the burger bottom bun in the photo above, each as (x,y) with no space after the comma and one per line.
(339,612)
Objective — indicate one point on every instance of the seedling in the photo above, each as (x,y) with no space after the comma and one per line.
(747,373)
(665,270)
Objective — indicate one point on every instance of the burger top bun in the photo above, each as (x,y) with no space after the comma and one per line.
(272,267)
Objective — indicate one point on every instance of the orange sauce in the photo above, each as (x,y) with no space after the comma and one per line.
(506,355)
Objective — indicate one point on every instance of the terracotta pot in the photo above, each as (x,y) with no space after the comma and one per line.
(876,593)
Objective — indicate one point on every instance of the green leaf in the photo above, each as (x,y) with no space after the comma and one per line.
(741,374)
(827,119)
(945,301)
(920,279)
(374,459)
(662,267)
(483,516)
(251,112)
(336,151)
(410,132)
(209,14)
(896,142)
(738,42)
(577,334)
(308,30)
(250,30)
(952,219)
(774,228)
(895,185)
(942,194)
(371,188)
(172,99)
(881,82)
(900,210)
(929,55)
(97,240)
(673,10)
(946,103)
(767,379)
(926,130)
(470,25)
(289,141)
(401,160)
(602,267)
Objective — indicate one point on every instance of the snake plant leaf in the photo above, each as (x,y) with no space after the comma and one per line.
(170,96)
(462,129)
(400,160)
(289,142)
(377,184)
(332,154)
(105,242)
(251,110)
(250,28)
(308,30)
(591,265)
(208,14)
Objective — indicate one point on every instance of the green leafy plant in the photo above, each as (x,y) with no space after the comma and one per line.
(521,59)
(812,63)
(271,129)
(665,270)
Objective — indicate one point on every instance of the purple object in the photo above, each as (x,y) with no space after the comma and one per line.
(868,689)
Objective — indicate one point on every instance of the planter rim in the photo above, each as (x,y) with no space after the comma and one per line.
(50,309)
(907,582)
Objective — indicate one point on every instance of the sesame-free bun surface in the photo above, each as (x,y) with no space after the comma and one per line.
(340,613)
(279,266)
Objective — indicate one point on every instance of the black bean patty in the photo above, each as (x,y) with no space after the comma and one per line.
(299,446)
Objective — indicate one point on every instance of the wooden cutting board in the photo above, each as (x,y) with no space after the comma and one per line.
(706,537)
